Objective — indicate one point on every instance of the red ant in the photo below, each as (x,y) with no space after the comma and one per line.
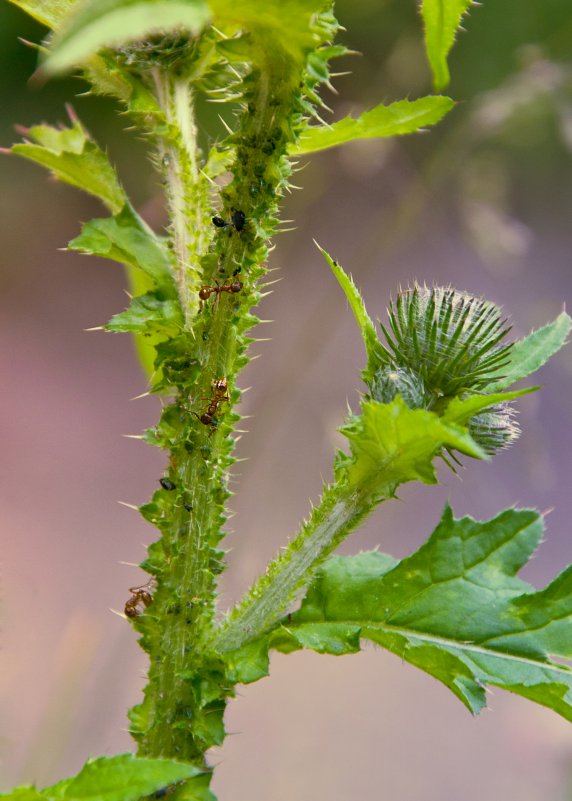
(140,599)
(232,287)
(220,395)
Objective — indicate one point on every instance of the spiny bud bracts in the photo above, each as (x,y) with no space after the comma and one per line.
(390,381)
(495,429)
(448,338)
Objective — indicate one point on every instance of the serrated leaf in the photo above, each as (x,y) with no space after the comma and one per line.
(392,444)
(364,321)
(441,19)
(530,353)
(148,315)
(455,608)
(101,24)
(48,12)
(127,239)
(74,158)
(402,117)
(124,777)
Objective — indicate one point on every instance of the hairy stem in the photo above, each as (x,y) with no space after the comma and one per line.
(185,189)
(340,511)
(181,715)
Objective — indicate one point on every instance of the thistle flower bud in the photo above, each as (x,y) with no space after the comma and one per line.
(495,429)
(447,338)
(390,381)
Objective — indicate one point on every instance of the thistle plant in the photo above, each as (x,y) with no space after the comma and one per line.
(436,384)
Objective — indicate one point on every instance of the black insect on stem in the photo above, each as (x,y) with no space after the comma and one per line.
(167,484)
(238,221)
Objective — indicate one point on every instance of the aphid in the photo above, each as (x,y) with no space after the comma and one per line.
(220,395)
(188,507)
(238,221)
(232,287)
(167,484)
(140,599)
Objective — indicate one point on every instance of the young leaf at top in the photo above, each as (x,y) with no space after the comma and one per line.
(402,117)
(74,158)
(124,777)
(48,12)
(441,19)
(455,608)
(287,24)
(101,24)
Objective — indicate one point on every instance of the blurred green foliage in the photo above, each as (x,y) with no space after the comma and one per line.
(530,45)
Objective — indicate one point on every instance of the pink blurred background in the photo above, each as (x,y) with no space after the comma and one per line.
(482,202)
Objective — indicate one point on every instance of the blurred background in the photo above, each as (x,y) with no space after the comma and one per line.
(482,201)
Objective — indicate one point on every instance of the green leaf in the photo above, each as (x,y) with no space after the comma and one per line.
(455,608)
(402,117)
(461,410)
(366,326)
(24,793)
(530,353)
(149,315)
(127,239)
(124,777)
(48,12)
(392,444)
(74,158)
(441,19)
(279,25)
(139,284)
(110,23)
(250,663)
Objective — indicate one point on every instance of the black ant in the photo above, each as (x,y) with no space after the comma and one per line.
(232,288)
(238,221)
(140,599)
(220,395)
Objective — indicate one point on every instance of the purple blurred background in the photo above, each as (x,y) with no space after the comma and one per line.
(482,202)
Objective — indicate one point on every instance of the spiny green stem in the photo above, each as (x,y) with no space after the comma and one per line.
(339,512)
(182,713)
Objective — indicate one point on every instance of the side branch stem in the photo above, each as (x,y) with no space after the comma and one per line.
(186,195)
(337,515)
